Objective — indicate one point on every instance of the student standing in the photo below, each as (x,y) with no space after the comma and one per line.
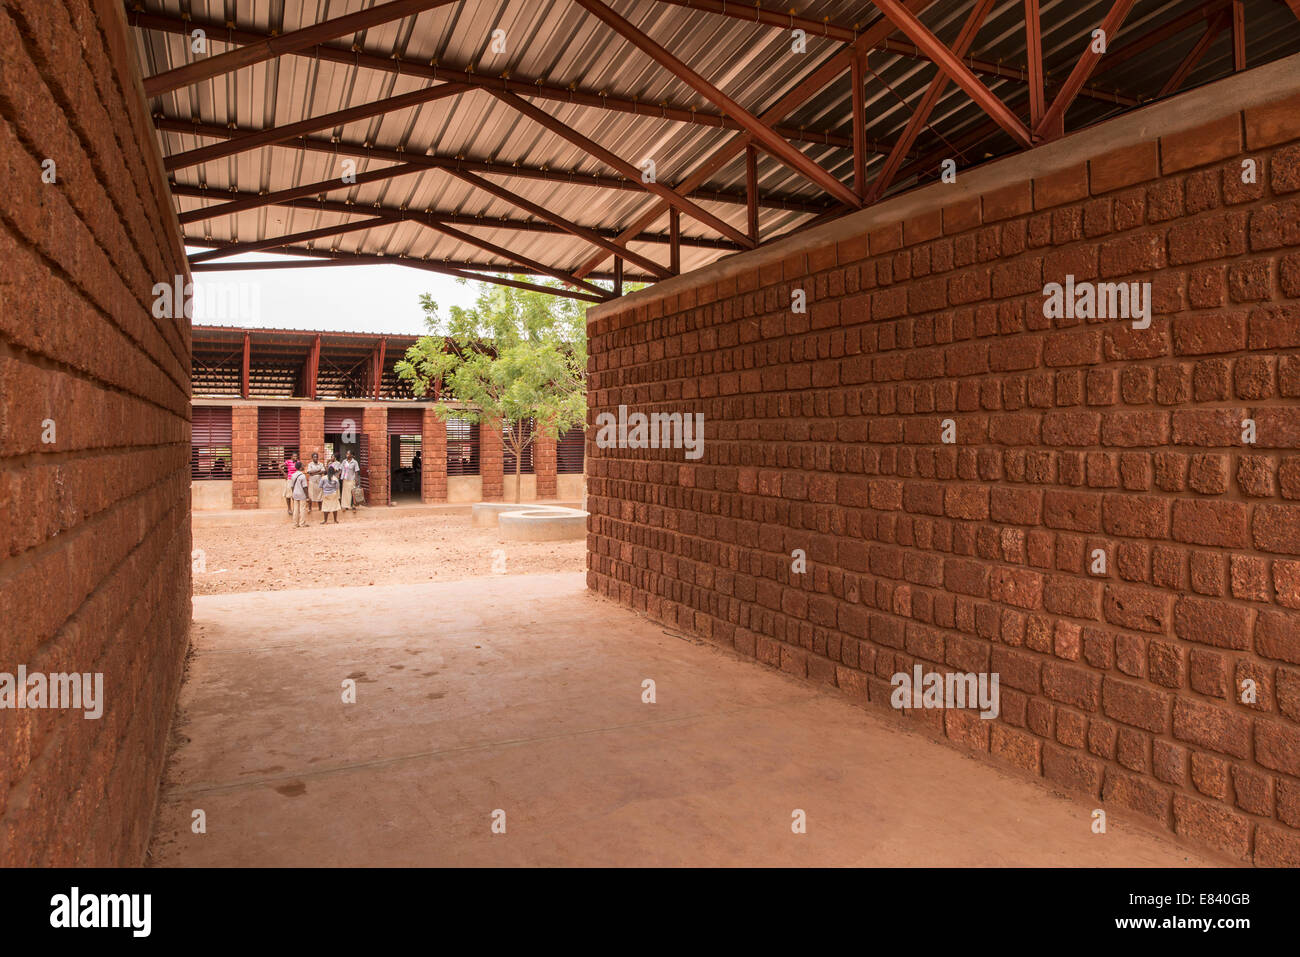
(350,471)
(314,472)
(329,502)
(299,496)
(289,468)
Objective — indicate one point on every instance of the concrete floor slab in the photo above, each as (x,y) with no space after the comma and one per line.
(524,694)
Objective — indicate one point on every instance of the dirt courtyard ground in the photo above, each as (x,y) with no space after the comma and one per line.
(261,551)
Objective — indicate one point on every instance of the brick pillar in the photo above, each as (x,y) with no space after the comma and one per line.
(311,431)
(375,425)
(544,465)
(491,461)
(243,456)
(433,448)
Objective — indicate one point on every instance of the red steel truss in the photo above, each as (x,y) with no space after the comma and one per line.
(861,155)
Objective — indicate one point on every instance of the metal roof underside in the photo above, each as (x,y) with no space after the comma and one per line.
(560,45)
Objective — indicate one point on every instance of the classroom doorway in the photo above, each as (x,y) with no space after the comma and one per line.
(406,464)
(405,454)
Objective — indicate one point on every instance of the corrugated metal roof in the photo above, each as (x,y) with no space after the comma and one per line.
(557,42)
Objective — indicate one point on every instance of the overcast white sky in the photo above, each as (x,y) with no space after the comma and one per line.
(382,299)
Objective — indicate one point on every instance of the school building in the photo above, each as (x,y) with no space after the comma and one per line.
(260,395)
(861,214)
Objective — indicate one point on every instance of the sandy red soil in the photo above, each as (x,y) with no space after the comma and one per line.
(263,552)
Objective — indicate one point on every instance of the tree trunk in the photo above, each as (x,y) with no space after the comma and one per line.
(519,458)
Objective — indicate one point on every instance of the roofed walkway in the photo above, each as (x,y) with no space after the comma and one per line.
(524,694)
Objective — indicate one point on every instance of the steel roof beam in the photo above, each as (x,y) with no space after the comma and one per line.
(425,161)
(283,197)
(1053,122)
(288,131)
(858,103)
(358,259)
(752,13)
(1013,74)
(1194,55)
(292,42)
(281,242)
(751,183)
(582,232)
(526,86)
(314,259)
(1205,13)
(957,71)
(785,20)
(1034,55)
(652,185)
(761,133)
(519,258)
(1238,35)
(674,242)
(397,214)
(276,242)
(921,116)
(831,68)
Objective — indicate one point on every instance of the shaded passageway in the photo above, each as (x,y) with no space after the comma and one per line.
(524,694)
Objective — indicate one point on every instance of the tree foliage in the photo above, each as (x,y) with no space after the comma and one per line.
(515,356)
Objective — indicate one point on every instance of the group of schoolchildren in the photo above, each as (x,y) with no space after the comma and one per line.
(331,485)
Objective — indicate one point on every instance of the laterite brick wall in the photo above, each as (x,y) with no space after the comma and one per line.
(311,431)
(822,433)
(94,515)
(375,425)
(491,458)
(545,465)
(433,458)
(243,456)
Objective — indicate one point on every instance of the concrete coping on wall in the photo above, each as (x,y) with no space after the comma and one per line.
(1259,86)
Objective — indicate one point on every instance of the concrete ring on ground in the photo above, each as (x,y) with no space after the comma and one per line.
(543,524)
(485,514)
(532,523)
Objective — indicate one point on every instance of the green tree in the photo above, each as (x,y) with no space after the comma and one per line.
(516,356)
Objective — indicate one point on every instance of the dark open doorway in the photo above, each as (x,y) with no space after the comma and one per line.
(405,463)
